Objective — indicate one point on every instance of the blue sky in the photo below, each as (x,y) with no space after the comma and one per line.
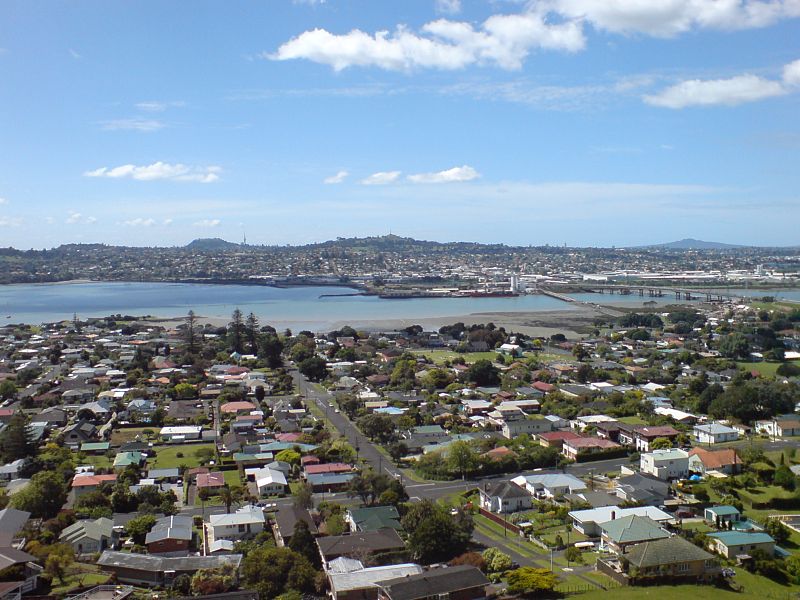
(583,122)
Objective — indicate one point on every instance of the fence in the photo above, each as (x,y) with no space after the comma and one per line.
(499,520)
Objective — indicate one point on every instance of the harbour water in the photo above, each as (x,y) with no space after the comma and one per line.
(295,307)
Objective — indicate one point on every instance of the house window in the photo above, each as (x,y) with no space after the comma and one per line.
(683,567)
(241,528)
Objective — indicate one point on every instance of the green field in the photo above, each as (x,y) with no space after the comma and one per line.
(766,369)
(167,456)
(79,575)
(127,434)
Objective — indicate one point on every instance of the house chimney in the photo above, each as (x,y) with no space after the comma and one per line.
(613,515)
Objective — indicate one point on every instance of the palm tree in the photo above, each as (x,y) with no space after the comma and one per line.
(227,497)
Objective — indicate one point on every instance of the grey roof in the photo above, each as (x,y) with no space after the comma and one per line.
(170,528)
(12,556)
(288,516)
(381,540)
(153,564)
(632,529)
(434,582)
(506,489)
(160,473)
(369,578)
(668,551)
(11,523)
(93,530)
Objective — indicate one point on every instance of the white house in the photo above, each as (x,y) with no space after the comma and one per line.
(245,522)
(665,464)
(504,497)
(715,433)
(270,482)
(588,521)
(180,433)
(550,485)
(778,427)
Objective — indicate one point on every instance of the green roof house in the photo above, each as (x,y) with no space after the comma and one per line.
(621,533)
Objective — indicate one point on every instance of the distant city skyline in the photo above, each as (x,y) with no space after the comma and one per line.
(502,121)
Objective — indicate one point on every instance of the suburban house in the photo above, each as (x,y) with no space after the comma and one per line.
(550,485)
(270,482)
(213,481)
(160,571)
(285,520)
(89,537)
(641,437)
(588,521)
(170,536)
(583,446)
(245,522)
(372,518)
(721,516)
(740,544)
(463,582)
(351,581)
(504,497)
(361,543)
(672,558)
(715,433)
(779,427)
(11,523)
(556,439)
(514,422)
(641,488)
(665,464)
(619,534)
(83,484)
(78,433)
(724,461)
(181,433)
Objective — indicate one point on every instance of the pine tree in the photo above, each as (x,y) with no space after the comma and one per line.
(15,441)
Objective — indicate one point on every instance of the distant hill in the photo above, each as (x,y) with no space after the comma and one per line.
(692,244)
(211,244)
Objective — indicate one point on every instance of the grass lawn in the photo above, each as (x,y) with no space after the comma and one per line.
(439,356)
(766,369)
(232,478)
(127,434)
(79,575)
(510,539)
(100,461)
(167,456)
(634,420)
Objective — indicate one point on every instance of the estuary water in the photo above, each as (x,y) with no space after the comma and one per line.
(295,307)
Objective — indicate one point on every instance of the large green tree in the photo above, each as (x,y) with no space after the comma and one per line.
(43,496)
(15,440)
(274,571)
(434,535)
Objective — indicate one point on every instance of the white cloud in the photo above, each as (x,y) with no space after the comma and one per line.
(207,223)
(456,174)
(133,124)
(140,222)
(730,92)
(503,40)
(667,18)
(791,73)
(74,54)
(506,40)
(166,222)
(338,178)
(448,7)
(3,201)
(76,218)
(159,106)
(10,221)
(381,178)
(159,170)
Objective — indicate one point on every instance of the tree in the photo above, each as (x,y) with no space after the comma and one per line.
(303,543)
(779,532)
(377,427)
(303,496)
(660,444)
(483,372)
(274,571)
(461,458)
(236,331)
(573,555)
(496,561)
(434,534)
(139,527)
(270,348)
(213,581)
(185,390)
(7,390)
(734,345)
(784,478)
(580,352)
(15,440)
(226,495)
(191,332)
(315,368)
(59,558)
(251,332)
(43,497)
(531,582)
(473,559)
